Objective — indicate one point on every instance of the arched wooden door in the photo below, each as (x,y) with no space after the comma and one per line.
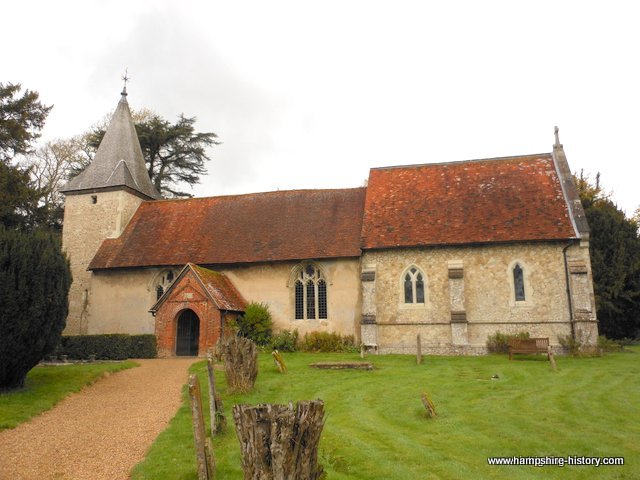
(188,334)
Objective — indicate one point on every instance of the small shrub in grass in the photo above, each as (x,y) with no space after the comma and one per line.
(576,348)
(499,342)
(256,323)
(607,345)
(328,342)
(626,342)
(285,341)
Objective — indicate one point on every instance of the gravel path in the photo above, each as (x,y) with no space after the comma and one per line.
(100,432)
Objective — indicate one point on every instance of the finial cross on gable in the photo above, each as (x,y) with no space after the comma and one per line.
(556,132)
(125,78)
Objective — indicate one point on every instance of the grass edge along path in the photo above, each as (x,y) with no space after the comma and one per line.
(376,427)
(47,385)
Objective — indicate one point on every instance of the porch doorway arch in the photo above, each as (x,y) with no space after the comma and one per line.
(187,334)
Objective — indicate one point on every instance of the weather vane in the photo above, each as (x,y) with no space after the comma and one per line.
(125,78)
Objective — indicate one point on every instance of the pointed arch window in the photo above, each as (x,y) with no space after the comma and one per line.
(518,283)
(163,282)
(310,293)
(413,286)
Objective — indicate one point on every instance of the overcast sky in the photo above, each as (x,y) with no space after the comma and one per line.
(314,94)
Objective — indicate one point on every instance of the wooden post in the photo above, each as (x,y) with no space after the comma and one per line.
(418,350)
(278,442)
(204,454)
(277,358)
(428,404)
(552,361)
(221,421)
(212,392)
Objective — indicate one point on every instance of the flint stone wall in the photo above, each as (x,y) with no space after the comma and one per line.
(469,295)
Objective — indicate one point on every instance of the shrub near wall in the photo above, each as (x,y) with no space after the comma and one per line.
(285,341)
(117,346)
(327,342)
(499,342)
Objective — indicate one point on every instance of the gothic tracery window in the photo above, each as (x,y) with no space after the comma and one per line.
(413,286)
(310,293)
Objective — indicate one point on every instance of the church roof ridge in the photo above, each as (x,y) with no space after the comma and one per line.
(256,194)
(473,160)
(120,147)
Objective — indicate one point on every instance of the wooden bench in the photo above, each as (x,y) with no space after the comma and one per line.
(528,345)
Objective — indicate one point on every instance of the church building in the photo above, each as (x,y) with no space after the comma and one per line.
(454,252)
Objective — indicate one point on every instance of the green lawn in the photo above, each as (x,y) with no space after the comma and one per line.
(47,385)
(376,426)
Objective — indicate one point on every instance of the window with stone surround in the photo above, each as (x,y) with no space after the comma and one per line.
(413,285)
(310,293)
(518,276)
(518,283)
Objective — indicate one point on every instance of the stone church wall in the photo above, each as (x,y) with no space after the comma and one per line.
(120,300)
(469,295)
(88,220)
(273,284)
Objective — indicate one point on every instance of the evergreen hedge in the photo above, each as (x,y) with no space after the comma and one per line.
(115,346)
(34,284)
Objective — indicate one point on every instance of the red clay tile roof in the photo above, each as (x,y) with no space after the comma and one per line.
(260,227)
(221,289)
(496,200)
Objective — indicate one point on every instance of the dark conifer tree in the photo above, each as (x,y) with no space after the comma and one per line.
(615,262)
(34,283)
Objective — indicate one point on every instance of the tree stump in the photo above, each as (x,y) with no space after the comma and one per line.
(278,442)
(418,350)
(240,364)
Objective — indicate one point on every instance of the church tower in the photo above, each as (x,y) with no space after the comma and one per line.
(98,205)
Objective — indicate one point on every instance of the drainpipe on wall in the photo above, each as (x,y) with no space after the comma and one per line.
(569,296)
